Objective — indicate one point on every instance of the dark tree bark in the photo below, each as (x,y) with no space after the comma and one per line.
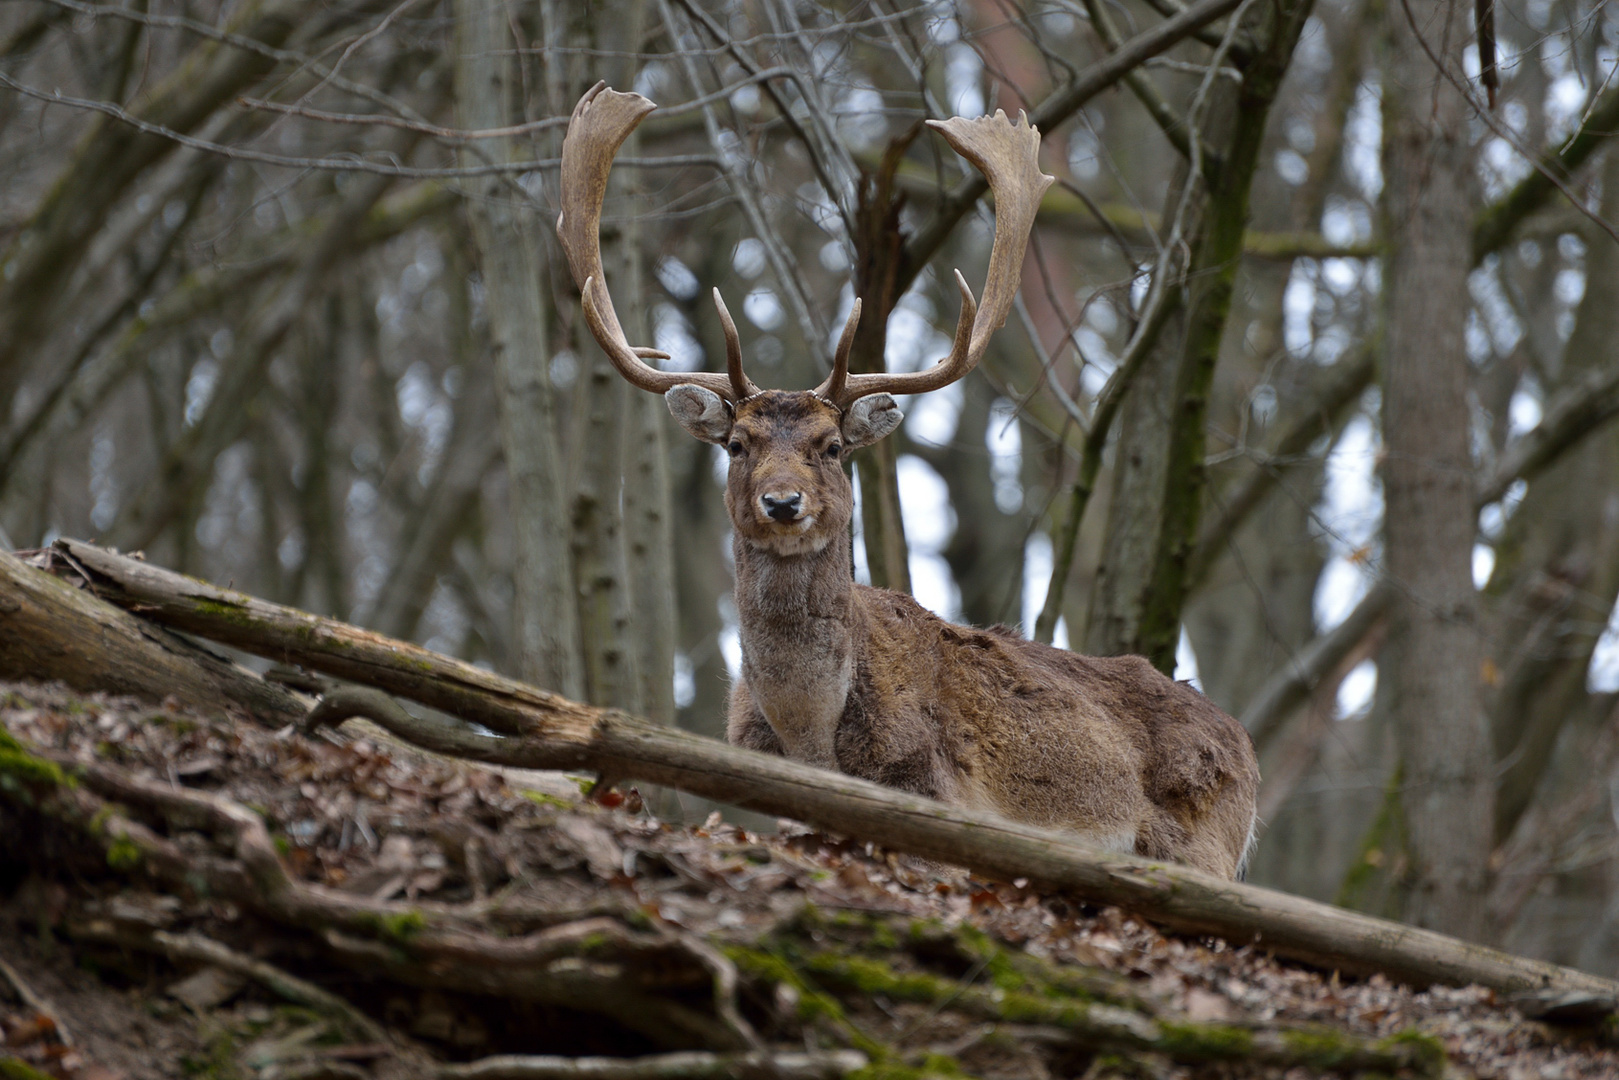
(509,253)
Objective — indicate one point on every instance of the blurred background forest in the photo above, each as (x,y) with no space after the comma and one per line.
(1305,396)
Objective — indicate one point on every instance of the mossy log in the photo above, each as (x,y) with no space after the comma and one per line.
(540,730)
(52,631)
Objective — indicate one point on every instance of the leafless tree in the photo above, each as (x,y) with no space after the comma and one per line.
(282,303)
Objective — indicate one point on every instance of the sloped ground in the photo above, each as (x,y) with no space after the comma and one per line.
(455,915)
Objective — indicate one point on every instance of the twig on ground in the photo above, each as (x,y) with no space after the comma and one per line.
(32,999)
(754,1065)
(195,948)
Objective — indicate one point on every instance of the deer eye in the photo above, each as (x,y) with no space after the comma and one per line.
(833,450)
(734,448)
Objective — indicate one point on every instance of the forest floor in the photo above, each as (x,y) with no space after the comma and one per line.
(820,943)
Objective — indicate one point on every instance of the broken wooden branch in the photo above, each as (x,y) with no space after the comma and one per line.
(56,632)
(543,730)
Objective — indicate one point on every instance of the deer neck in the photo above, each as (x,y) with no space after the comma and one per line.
(796,614)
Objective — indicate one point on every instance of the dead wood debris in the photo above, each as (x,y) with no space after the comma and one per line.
(365,911)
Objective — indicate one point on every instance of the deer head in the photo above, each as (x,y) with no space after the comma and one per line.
(787,491)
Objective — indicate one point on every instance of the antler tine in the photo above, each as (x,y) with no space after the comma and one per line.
(832,389)
(601,121)
(741,385)
(1008,155)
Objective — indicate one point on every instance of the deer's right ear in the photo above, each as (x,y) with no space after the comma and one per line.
(701,412)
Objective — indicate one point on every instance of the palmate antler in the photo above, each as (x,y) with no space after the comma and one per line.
(1006,153)
(601,122)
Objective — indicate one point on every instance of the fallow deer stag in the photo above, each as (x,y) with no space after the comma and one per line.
(865,680)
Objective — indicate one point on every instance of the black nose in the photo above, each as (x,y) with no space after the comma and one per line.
(782,507)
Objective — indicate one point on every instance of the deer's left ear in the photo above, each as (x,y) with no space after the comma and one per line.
(869,419)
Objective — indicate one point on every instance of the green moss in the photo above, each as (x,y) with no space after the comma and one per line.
(398,928)
(874,977)
(228,612)
(931,1066)
(1320,1049)
(402,926)
(217,1063)
(813,1004)
(283,846)
(15,1069)
(541,798)
(108,811)
(124,854)
(1427,1052)
(1209,1042)
(19,768)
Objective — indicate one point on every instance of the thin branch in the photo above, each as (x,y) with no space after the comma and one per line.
(1154,317)
(1162,305)
(1057,108)
(1348,383)
(1548,171)
(810,324)
(1572,415)
(339,164)
(827,146)
(379,120)
(247,44)
(1288,688)
(687,1065)
(1173,127)
(31,998)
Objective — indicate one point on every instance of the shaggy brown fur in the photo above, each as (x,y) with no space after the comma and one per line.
(868,682)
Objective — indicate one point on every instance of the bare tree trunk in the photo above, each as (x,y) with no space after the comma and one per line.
(648,524)
(704,581)
(1433,654)
(509,253)
(878,251)
(1135,506)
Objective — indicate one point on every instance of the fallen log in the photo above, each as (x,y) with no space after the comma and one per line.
(52,631)
(540,730)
